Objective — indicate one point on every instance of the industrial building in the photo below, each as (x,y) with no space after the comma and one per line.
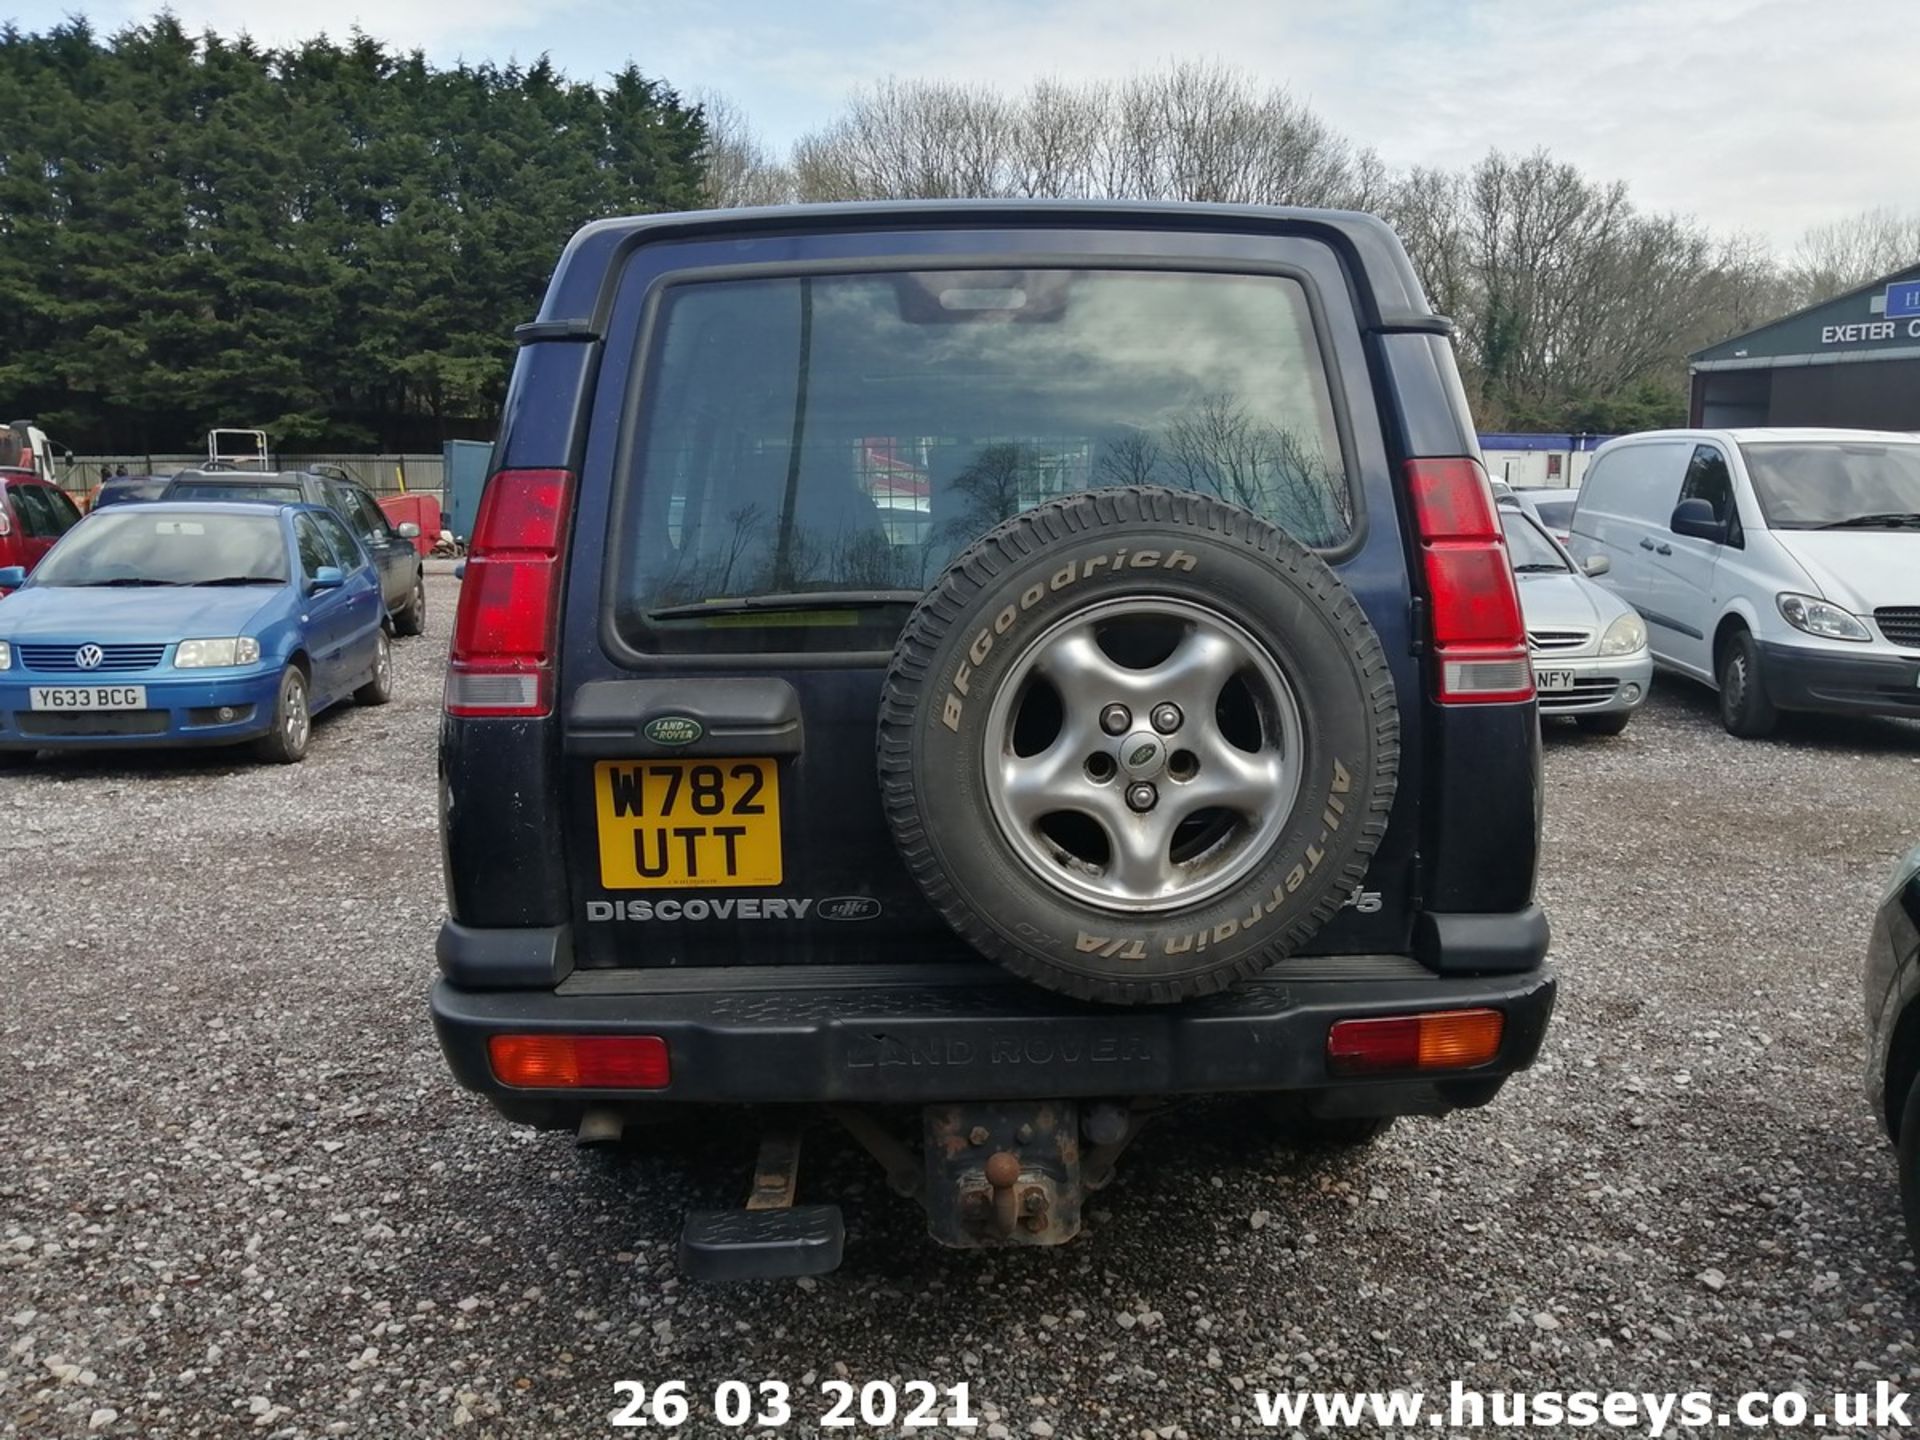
(1853,361)
(1539,461)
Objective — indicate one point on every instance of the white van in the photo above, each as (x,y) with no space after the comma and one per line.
(25,446)
(1781,567)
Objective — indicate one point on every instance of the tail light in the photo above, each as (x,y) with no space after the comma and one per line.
(1479,638)
(580,1062)
(504,629)
(1443,1040)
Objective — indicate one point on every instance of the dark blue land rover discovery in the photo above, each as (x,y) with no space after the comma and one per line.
(1009,665)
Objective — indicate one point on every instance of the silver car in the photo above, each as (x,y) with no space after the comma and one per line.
(1590,657)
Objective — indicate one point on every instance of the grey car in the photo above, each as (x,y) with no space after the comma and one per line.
(1589,647)
(1552,508)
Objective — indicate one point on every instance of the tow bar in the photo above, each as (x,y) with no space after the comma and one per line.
(988,1174)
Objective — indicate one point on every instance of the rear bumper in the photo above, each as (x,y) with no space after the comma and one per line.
(1798,678)
(181,711)
(920,1034)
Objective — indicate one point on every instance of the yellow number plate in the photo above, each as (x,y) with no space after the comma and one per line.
(687,824)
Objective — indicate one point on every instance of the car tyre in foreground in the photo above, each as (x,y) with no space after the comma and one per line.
(1604,724)
(286,743)
(1744,707)
(411,618)
(1137,744)
(379,689)
(1910,1166)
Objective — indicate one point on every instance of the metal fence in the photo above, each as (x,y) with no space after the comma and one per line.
(382,474)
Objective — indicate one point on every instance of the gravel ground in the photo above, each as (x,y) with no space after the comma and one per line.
(240,1194)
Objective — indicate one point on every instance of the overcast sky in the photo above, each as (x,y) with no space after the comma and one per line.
(1756,115)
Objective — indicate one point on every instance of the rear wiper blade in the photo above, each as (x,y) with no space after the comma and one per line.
(1887,519)
(790,600)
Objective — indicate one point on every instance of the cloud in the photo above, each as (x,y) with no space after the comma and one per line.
(441,29)
(1762,115)
(1753,115)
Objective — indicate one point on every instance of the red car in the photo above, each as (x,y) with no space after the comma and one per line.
(33,514)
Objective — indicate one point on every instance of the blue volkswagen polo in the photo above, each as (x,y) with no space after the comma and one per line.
(190,624)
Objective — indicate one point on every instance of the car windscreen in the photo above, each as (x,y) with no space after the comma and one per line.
(1527,545)
(278,494)
(844,436)
(1834,484)
(136,546)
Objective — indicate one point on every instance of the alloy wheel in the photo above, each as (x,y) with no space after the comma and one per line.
(1143,754)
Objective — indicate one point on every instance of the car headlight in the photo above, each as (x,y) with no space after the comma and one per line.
(6,656)
(204,654)
(1817,617)
(1624,636)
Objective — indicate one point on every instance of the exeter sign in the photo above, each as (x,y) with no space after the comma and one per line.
(1898,309)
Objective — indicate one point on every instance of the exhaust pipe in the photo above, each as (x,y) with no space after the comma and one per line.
(600,1125)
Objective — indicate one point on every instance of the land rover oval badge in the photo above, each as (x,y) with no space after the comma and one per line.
(672,730)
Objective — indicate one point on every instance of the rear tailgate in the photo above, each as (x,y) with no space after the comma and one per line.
(720,802)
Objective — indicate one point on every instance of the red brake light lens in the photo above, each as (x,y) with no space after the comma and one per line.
(580,1062)
(504,629)
(1444,1040)
(1478,635)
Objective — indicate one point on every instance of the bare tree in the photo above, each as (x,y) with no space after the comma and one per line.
(1574,308)
(1427,209)
(911,140)
(1836,257)
(1133,459)
(994,485)
(1191,132)
(1219,448)
(739,169)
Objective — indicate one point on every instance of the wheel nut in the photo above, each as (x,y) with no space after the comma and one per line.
(1115,719)
(1167,717)
(1142,796)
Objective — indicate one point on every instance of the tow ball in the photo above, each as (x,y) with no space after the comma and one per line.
(1015,1174)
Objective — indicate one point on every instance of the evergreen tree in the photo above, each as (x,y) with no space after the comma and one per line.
(332,241)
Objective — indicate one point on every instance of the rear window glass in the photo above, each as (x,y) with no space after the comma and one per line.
(233,490)
(835,440)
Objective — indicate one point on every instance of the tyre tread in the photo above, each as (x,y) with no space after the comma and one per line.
(1018,540)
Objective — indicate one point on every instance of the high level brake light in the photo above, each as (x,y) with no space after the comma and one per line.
(1479,638)
(503,631)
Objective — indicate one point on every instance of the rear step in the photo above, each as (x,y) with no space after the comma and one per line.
(772,1238)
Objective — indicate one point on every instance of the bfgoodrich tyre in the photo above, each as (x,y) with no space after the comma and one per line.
(1137,744)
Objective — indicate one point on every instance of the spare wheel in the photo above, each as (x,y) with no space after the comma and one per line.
(1137,744)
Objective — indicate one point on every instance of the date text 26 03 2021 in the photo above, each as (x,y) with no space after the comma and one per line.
(769,1405)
